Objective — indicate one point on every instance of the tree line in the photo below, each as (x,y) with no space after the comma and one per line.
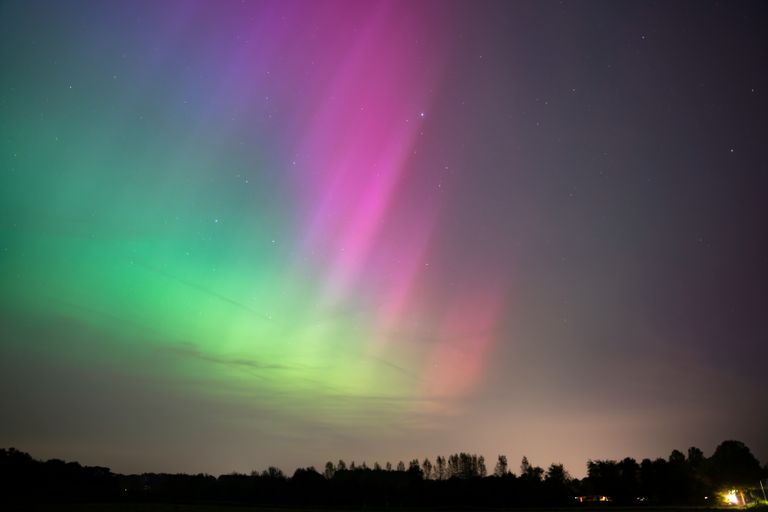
(461,479)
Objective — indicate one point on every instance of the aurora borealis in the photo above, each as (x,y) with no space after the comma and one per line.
(237,234)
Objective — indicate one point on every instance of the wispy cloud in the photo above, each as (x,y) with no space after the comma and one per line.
(190,350)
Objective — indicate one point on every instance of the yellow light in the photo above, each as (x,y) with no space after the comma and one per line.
(731,498)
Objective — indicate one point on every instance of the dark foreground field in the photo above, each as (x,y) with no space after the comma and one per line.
(166,507)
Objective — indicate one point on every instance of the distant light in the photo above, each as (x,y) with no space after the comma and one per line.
(731,497)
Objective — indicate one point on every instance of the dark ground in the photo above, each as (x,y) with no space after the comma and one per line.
(166,507)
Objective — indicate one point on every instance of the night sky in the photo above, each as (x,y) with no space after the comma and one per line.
(241,234)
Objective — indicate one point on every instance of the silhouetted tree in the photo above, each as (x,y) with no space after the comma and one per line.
(426,466)
(603,478)
(652,474)
(528,471)
(502,467)
(309,486)
(415,470)
(458,481)
(557,474)
(525,466)
(273,472)
(695,456)
(453,466)
(628,485)
(440,468)
(557,485)
(329,470)
(733,464)
(676,457)
(465,465)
